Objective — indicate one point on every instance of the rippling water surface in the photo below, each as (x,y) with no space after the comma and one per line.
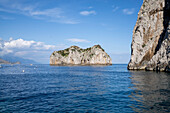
(44,88)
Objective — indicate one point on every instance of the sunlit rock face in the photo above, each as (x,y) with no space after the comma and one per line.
(150,43)
(77,56)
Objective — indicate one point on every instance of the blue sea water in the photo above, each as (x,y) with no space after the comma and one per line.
(82,89)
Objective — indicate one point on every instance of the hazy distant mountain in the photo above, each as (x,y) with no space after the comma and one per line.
(4,61)
(13,59)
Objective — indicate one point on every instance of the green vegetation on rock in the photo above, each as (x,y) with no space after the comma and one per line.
(88,49)
(143,45)
(63,53)
(91,55)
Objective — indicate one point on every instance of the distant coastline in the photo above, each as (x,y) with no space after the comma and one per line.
(7,62)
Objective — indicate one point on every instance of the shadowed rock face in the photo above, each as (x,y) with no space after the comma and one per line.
(150,43)
(77,56)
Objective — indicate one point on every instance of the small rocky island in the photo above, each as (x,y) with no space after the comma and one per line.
(75,55)
(151,37)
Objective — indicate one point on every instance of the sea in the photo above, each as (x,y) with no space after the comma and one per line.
(41,88)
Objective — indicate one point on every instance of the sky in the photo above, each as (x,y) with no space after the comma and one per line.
(33,29)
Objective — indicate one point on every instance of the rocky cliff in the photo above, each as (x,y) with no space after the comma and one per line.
(150,43)
(77,56)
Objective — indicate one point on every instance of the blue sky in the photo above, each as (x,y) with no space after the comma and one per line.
(34,28)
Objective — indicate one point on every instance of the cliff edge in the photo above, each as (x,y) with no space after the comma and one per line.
(151,34)
(77,56)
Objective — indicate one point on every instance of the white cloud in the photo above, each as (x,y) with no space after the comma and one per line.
(76,40)
(21,47)
(37,51)
(86,13)
(23,44)
(128,11)
(35,12)
(54,12)
(65,21)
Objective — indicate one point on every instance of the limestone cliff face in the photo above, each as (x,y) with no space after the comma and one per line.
(150,43)
(77,56)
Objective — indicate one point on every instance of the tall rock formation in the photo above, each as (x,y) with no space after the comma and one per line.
(150,43)
(76,56)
